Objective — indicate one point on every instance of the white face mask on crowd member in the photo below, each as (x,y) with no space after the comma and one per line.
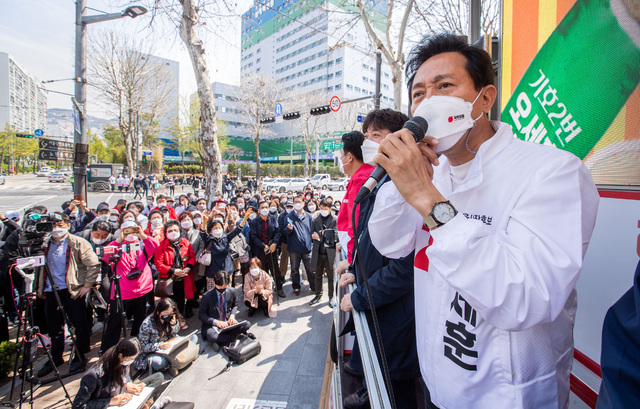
(186,224)
(217,233)
(156,222)
(129,219)
(252,216)
(240,206)
(448,117)
(113,218)
(342,164)
(298,206)
(246,196)
(173,235)
(264,211)
(312,208)
(234,214)
(103,217)
(197,221)
(201,207)
(272,209)
(324,213)
(98,241)
(255,271)
(59,232)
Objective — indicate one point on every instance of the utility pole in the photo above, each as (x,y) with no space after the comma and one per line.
(291,159)
(378,79)
(475,20)
(317,154)
(80,99)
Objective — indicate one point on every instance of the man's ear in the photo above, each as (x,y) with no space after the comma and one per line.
(488,98)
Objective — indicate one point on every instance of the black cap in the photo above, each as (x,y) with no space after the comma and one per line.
(102,206)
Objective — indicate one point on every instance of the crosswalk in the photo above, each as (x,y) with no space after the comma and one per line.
(36,186)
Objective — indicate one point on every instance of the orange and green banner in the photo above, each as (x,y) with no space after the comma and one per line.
(570,78)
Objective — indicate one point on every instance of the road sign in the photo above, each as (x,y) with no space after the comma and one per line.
(335,103)
(46,154)
(326,145)
(53,145)
(147,153)
(278,109)
(360,118)
(38,132)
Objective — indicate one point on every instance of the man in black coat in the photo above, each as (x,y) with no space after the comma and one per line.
(325,237)
(218,309)
(264,237)
(391,283)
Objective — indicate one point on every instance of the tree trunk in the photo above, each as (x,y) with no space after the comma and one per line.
(2,161)
(398,86)
(256,144)
(208,135)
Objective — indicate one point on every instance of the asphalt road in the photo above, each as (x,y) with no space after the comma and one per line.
(23,191)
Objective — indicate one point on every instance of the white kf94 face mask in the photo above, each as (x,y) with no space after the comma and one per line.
(448,118)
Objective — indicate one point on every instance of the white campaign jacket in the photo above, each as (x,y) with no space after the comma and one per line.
(495,291)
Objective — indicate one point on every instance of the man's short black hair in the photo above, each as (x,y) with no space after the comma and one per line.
(352,143)
(325,203)
(478,61)
(65,217)
(221,278)
(384,119)
(101,226)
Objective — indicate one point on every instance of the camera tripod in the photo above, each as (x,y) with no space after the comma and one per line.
(30,335)
(115,285)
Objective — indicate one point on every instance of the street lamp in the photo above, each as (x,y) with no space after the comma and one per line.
(79,102)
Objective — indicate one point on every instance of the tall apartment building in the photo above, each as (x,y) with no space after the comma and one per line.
(23,105)
(317,46)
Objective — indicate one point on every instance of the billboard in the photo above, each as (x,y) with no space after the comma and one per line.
(570,75)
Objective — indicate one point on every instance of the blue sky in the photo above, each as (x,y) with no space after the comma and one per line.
(40,35)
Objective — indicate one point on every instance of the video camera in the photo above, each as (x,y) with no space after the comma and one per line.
(37,228)
(114,250)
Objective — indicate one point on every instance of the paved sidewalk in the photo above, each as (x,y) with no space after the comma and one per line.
(289,370)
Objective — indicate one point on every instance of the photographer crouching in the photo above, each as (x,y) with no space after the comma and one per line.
(74,268)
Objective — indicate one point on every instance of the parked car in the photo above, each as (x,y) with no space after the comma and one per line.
(338,184)
(58,177)
(321,180)
(66,170)
(44,172)
(283,184)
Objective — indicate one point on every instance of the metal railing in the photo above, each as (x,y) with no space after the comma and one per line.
(378,396)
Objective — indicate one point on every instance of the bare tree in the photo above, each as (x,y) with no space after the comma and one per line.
(453,16)
(190,17)
(129,83)
(393,43)
(258,95)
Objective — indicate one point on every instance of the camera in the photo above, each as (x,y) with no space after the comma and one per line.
(129,247)
(37,228)
(329,238)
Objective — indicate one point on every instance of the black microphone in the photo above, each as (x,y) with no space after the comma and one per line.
(418,127)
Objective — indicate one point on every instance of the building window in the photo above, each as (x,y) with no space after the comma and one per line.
(338,86)
(356,89)
(339,60)
(386,86)
(329,88)
(365,66)
(372,69)
(365,79)
(349,87)
(338,74)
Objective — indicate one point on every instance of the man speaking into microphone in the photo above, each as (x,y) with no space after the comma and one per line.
(499,235)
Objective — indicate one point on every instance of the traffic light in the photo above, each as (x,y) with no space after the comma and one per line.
(325,109)
(291,115)
(144,158)
(268,120)
(24,135)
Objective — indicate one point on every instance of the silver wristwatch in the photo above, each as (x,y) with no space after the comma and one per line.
(441,213)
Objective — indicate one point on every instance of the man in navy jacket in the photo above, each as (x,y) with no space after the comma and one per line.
(264,237)
(391,283)
(298,230)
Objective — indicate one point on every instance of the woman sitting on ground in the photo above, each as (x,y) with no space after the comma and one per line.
(158,328)
(258,290)
(108,381)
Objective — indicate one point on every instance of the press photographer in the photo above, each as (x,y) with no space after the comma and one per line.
(74,268)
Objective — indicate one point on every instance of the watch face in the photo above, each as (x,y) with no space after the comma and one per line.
(443,212)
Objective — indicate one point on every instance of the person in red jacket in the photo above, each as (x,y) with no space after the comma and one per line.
(180,268)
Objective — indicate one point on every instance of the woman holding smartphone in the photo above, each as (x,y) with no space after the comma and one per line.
(133,248)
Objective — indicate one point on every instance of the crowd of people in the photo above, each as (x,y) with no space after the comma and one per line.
(125,249)
(471,249)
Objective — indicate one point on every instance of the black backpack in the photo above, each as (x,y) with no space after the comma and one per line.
(242,349)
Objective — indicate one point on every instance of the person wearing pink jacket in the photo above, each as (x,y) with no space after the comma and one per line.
(136,281)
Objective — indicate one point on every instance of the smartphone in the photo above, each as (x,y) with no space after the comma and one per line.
(78,198)
(130,230)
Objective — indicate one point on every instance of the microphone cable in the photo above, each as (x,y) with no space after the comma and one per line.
(374,316)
